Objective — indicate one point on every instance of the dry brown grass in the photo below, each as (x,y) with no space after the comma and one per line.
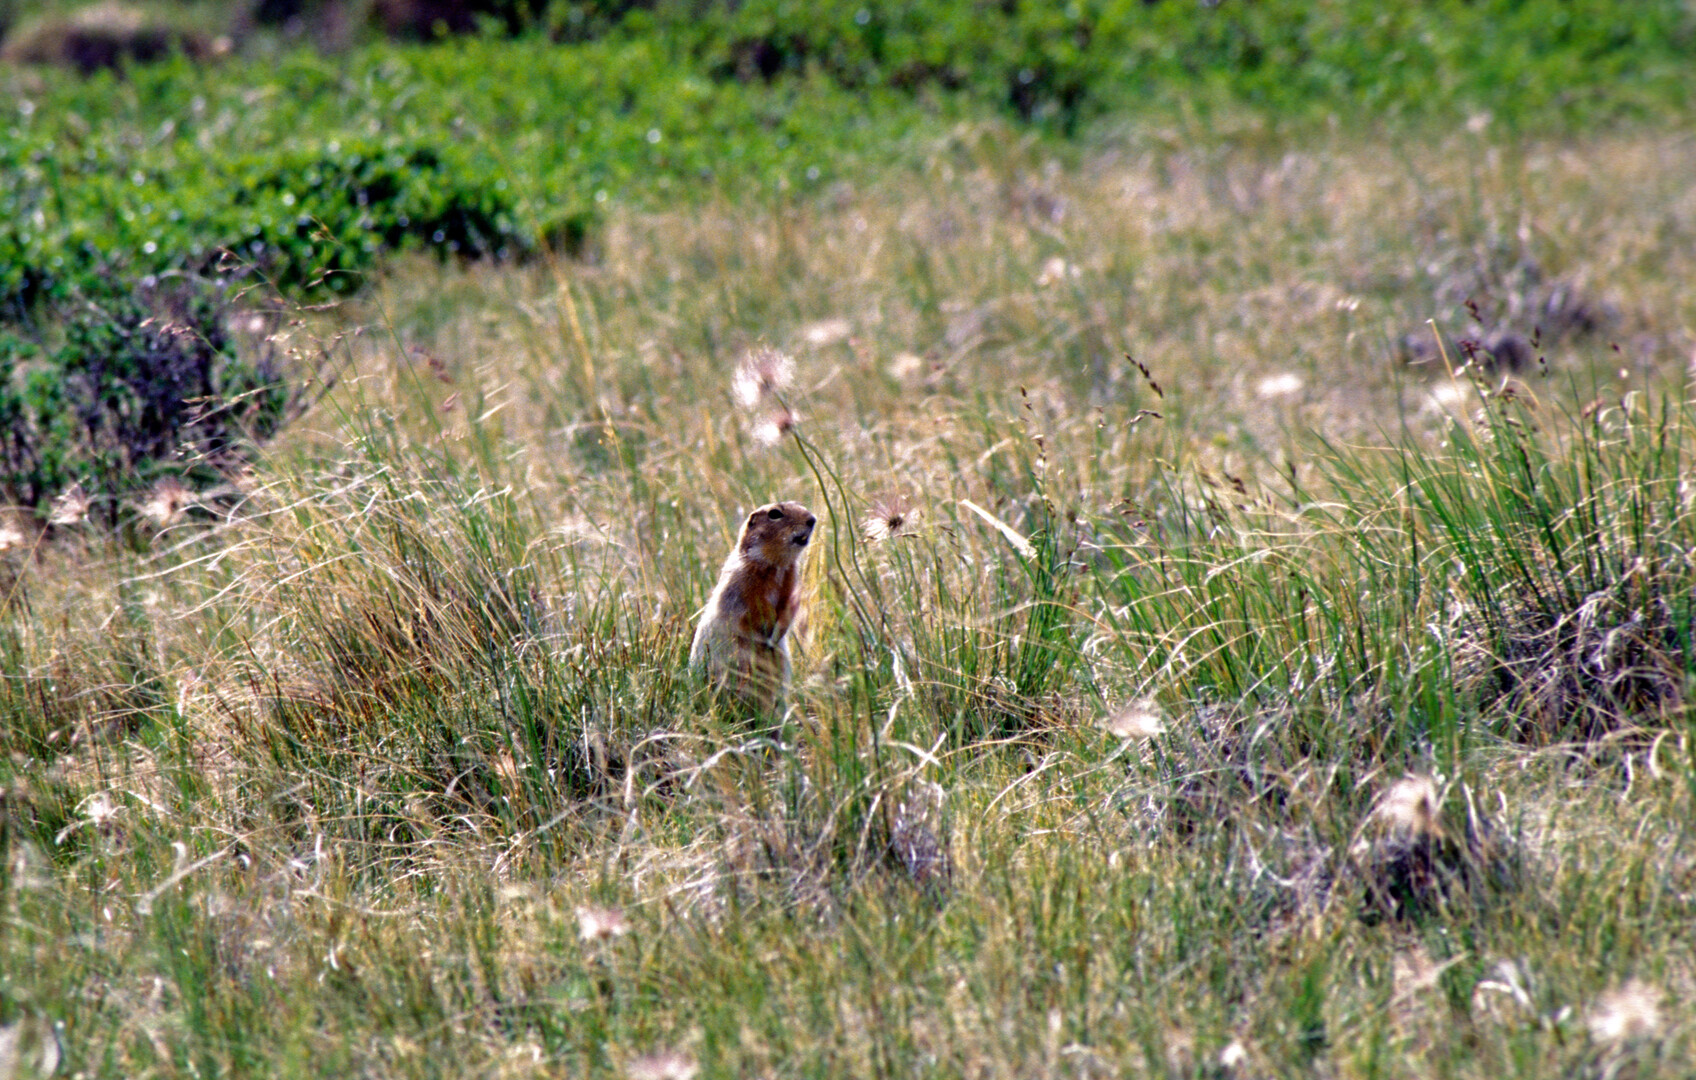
(418,703)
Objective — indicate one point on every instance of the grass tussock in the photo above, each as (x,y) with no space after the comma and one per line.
(1262,704)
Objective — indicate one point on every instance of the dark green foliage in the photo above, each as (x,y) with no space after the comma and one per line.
(487,146)
(322,214)
(1035,60)
(120,359)
(307,217)
(1062,62)
(561,20)
(310,170)
(135,380)
(427,19)
(1059,63)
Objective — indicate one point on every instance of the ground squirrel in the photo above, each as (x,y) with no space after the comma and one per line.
(742,641)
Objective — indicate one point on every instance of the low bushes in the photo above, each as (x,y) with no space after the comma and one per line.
(1058,64)
(320,215)
(309,219)
(308,170)
(134,382)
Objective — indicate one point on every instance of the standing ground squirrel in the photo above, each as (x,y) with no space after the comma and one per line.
(742,641)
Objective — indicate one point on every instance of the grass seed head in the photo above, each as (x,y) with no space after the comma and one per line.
(891,517)
(763,372)
(663,1065)
(71,507)
(164,505)
(601,923)
(12,534)
(1139,719)
(1626,1014)
(771,428)
(1411,805)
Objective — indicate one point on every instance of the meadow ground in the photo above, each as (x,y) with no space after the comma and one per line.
(1266,664)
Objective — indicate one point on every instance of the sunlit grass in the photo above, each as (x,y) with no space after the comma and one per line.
(326,782)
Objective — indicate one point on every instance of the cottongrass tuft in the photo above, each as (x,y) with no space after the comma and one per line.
(663,1065)
(601,923)
(1626,1014)
(771,428)
(906,365)
(891,518)
(827,332)
(1233,1057)
(71,507)
(1276,386)
(1138,719)
(1415,862)
(12,533)
(763,372)
(1054,271)
(1450,398)
(166,503)
(1411,805)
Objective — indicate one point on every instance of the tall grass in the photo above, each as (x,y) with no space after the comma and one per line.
(1530,564)
(1185,724)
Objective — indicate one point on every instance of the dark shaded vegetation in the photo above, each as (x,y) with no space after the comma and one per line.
(131,383)
(1060,63)
(105,38)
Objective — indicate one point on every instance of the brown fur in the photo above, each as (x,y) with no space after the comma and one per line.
(742,640)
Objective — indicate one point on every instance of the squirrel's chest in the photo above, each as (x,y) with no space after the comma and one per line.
(771,608)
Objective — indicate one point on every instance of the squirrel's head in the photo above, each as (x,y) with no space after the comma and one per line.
(779,531)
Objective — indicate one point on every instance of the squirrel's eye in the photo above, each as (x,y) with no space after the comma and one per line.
(775,514)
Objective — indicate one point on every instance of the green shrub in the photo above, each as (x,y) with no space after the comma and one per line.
(137,381)
(312,167)
(1060,63)
(324,213)
(309,218)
